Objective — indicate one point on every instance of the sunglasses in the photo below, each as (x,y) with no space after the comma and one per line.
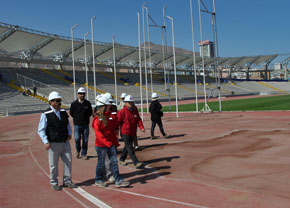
(56,100)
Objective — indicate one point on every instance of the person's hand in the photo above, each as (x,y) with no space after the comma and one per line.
(47,146)
(69,138)
(143,130)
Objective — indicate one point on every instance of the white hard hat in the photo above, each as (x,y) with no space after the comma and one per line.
(129,98)
(81,90)
(123,95)
(98,97)
(109,96)
(54,95)
(103,100)
(154,95)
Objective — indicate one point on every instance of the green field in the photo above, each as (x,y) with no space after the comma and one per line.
(252,104)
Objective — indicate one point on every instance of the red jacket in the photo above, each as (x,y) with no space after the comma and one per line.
(128,121)
(106,135)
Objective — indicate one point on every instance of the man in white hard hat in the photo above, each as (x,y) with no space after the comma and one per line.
(156,114)
(55,131)
(81,111)
(122,103)
(129,119)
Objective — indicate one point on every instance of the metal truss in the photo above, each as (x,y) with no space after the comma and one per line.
(29,53)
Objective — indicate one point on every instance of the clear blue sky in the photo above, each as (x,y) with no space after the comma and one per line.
(245,27)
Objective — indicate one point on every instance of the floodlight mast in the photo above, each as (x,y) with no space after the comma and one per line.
(93,55)
(115,70)
(145,62)
(166,64)
(149,48)
(216,53)
(174,61)
(73,58)
(217,56)
(86,64)
(206,107)
(140,65)
(194,60)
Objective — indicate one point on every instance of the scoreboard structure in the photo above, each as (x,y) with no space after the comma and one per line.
(207,47)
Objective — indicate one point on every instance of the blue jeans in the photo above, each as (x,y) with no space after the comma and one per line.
(81,132)
(112,154)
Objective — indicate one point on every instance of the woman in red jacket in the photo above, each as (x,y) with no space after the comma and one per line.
(106,126)
(128,119)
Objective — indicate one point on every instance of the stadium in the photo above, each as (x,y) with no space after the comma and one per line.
(217,155)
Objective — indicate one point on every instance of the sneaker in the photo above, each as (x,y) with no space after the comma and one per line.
(70,185)
(78,155)
(137,148)
(112,179)
(123,163)
(101,184)
(56,187)
(122,184)
(166,136)
(85,157)
(154,137)
(138,165)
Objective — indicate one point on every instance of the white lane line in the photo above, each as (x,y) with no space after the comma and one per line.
(91,198)
(158,198)
(98,202)
(79,190)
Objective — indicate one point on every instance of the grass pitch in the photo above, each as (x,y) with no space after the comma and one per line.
(251,104)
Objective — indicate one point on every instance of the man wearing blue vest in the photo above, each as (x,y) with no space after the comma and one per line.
(55,131)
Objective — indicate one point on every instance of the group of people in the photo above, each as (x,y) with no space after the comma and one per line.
(109,120)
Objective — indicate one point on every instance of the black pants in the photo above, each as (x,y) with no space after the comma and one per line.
(159,123)
(128,148)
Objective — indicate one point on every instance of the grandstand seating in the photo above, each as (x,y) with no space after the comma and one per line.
(56,80)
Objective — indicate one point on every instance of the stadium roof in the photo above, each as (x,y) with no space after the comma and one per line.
(27,45)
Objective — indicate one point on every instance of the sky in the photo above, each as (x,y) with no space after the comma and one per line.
(244,27)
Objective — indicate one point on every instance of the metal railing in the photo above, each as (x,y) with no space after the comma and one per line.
(22,109)
(42,89)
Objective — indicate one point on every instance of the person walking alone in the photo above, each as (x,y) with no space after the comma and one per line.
(55,131)
(129,119)
(81,111)
(106,127)
(156,114)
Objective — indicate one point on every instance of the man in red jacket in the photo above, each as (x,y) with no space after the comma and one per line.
(128,119)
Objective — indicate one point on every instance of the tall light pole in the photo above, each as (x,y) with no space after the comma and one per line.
(140,65)
(217,56)
(145,64)
(86,63)
(148,36)
(73,58)
(206,107)
(93,55)
(174,61)
(194,60)
(115,70)
(166,63)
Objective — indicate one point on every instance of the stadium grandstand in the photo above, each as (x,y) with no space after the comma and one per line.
(31,58)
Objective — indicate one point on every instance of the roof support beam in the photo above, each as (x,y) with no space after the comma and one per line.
(125,55)
(168,57)
(29,53)
(103,51)
(9,32)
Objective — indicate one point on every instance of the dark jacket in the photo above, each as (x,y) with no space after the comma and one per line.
(155,110)
(81,112)
(56,129)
